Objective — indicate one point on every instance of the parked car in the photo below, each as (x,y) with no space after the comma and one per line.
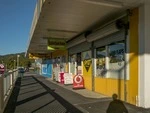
(21,70)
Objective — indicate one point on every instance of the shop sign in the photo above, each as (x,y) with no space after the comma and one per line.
(68,78)
(61,74)
(86,55)
(87,64)
(78,82)
(56,44)
(31,56)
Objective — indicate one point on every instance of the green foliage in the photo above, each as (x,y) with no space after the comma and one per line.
(10,60)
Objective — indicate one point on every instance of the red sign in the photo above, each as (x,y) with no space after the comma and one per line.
(78,82)
(2,68)
(61,78)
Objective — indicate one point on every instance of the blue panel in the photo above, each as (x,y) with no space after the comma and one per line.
(44,68)
(47,68)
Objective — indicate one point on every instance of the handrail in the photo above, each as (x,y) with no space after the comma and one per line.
(7,82)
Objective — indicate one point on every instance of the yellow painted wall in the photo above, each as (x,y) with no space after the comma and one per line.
(109,86)
(133,61)
(101,85)
(87,75)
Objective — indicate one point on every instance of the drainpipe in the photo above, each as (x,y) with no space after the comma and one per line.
(126,27)
(125,73)
(93,77)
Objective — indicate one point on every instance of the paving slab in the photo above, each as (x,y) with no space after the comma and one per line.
(37,94)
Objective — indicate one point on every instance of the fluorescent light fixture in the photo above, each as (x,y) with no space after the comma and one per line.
(109,3)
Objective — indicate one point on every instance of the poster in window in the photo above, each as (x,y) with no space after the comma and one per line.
(117,60)
(100,62)
(87,62)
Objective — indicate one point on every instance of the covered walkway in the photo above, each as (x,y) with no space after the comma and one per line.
(36,94)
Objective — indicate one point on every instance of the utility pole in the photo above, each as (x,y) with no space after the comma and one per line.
(18,61)
(14,64)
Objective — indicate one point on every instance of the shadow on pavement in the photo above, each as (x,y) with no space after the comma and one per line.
(69,107)
(11,105)
(32,96)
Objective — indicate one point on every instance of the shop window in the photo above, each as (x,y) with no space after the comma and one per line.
(79,63)
(86,58)
(62,63)
(117,59)
(63,59)
(78,59)
(101,62)
(73,64)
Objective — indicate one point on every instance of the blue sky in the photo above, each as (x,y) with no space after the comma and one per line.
(15,23)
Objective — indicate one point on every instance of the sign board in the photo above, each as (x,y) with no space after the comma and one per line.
(56,44)
(78,82)
(61,75)
(68,78)
(2,68)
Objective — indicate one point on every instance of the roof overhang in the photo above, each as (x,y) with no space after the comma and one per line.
(67,19)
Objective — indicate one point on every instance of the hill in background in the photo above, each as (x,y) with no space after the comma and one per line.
(10,60)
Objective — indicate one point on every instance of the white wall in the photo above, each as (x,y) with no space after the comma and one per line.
(144,51)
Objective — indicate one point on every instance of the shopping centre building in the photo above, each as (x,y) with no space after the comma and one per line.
(105,41)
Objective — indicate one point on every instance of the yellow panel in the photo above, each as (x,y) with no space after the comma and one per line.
(87,82)
(87,75)
(115,86)
(133,82)
(37,56)
(32,56)
(66,67)
(101,85)
(109,86)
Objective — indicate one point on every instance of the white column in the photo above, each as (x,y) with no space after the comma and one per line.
(144,55)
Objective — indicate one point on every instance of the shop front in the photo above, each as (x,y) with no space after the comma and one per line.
(60,64)
(105,60)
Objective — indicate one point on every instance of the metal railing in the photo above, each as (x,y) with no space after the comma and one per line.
(7,82)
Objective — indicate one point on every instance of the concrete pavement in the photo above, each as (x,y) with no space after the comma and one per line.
(36,94)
